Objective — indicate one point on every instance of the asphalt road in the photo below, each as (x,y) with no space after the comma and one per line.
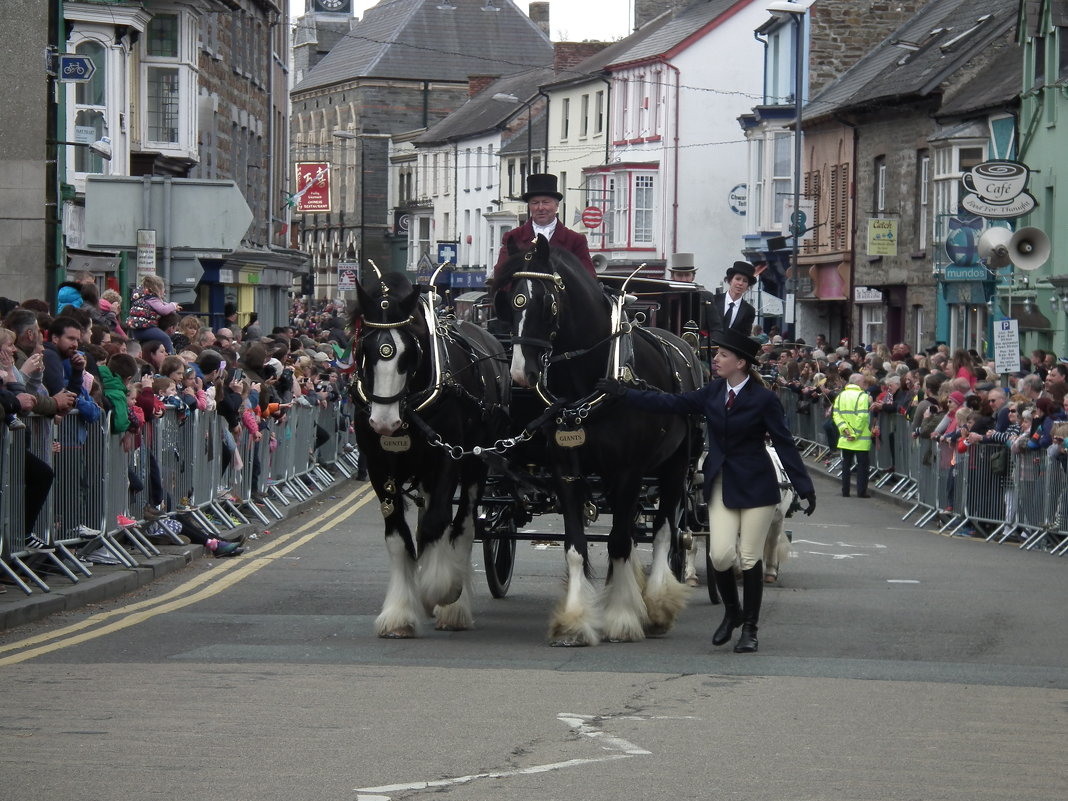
(894,664)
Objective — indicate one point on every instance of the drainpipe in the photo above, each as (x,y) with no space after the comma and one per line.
(545,151)
(852,233)
(168,185)
(675,177)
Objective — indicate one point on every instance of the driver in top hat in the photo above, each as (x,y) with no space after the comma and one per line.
(543,201)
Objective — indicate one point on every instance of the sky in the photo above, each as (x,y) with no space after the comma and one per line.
(569,20)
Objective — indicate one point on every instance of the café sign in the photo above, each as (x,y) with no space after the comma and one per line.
(997,190)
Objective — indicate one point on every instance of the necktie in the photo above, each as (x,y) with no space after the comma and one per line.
(730,398)
(730,314)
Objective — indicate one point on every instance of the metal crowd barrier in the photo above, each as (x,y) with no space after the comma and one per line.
(1021,497)
(102,482)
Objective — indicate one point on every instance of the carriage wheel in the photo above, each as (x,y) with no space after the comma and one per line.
(499,556)
(713,593)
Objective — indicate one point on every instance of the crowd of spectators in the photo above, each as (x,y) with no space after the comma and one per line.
(86,353)
(953,399)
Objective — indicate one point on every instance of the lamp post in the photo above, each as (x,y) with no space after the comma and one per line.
(796,12)
(509,98)
(362,137)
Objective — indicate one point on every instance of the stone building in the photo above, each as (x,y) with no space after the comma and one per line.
(177,90)
(403,67)
(27,212)
(876,174)
(835,34)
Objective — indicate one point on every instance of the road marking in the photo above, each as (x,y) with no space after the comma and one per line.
(231,573)
(876,547)
(837,556)
(579,723)
(902,581)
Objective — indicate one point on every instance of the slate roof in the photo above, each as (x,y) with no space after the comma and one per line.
(436,40)
(615,52)
(996,85)
(481,113)
(919,56)
(675,28)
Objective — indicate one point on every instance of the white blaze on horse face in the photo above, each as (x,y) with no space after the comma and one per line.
(520,369)
(388,381)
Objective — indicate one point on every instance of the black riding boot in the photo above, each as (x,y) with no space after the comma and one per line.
(732,613)
(752,594)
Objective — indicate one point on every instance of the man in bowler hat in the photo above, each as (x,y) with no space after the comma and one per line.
(727,310)
(543,201)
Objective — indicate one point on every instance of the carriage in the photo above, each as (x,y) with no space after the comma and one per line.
(486,432)
(651,302)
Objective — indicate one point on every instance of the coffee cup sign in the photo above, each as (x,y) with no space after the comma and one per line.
(997,190)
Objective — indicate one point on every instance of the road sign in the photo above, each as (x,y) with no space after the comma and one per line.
(592,217)
(447,252)
(205,215)
(1007,346)
(74,68)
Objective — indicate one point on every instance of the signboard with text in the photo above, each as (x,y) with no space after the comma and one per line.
(1007,346)
(346,276)
(313,187)
(882,237)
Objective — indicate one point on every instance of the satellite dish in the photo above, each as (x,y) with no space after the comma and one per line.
(994,248)
(1029,248)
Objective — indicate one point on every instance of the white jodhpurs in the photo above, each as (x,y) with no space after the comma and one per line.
(736,531)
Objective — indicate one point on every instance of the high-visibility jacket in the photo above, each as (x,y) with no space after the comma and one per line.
(850,415)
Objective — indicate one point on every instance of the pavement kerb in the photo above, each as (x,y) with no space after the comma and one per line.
(112,581)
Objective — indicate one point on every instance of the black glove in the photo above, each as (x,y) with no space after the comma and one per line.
(810,498)
(611,386)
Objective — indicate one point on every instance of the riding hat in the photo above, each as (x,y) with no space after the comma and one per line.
(742,268)
(542,184)
(737,343)
(681,263)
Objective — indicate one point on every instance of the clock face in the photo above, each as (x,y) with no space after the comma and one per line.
(333,5)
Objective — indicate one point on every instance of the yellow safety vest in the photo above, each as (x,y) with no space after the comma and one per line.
(850,415)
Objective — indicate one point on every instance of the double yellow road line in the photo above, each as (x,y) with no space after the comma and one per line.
(200,588)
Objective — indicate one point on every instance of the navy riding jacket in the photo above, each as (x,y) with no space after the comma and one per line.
(736,440)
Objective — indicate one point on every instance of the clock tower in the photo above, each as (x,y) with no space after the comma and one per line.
(331,6)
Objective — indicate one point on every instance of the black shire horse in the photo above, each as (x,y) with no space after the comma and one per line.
(430,391)
(563,329)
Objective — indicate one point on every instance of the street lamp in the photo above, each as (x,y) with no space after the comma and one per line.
(503,97)
(796,12)
(101,147)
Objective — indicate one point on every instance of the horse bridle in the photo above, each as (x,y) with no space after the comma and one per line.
(552,311)
(386,352)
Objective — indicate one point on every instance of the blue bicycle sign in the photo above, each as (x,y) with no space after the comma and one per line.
(74,68)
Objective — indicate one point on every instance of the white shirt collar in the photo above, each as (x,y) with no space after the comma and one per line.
(545,230)
(739,388)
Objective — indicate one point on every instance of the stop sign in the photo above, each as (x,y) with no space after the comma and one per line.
(592,217)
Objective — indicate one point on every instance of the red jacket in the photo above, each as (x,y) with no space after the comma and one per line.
(565,238)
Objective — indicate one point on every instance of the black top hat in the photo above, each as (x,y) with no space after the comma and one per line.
(737,343)
(542,184)
(742,268)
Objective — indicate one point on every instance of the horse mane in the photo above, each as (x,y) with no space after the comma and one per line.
(563,262)
(394,286)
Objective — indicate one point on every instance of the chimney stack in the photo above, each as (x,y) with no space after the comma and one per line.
(646,10)
(567,54)
(478,83)
(539,13)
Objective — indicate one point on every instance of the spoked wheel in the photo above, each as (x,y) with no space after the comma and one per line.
(713,593)
(498,554)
